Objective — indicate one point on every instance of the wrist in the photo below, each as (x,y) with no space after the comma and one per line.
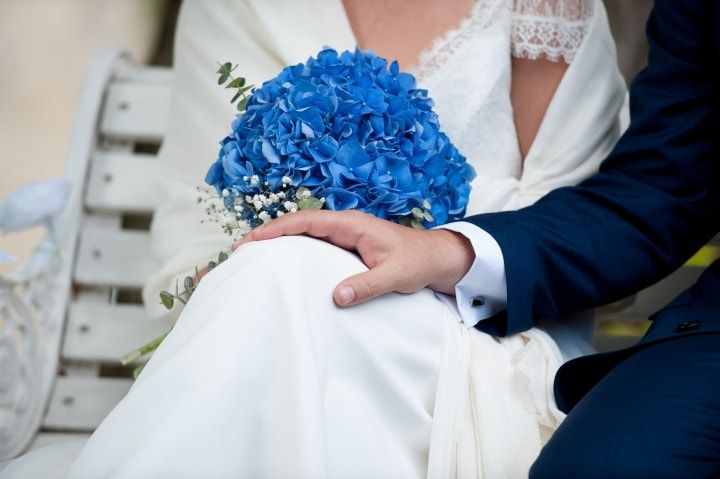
(454,255)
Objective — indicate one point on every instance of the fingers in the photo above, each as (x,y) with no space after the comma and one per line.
(339,228)
(365,286)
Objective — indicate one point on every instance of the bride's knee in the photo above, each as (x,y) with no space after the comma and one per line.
(298,257)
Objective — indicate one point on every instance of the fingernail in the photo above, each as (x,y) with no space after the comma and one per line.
(347,294)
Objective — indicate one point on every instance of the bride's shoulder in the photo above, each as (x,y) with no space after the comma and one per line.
(552,29)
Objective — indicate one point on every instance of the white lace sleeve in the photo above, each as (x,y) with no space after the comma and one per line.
(552,29)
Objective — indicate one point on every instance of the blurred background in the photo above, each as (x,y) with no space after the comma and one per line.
(45,46)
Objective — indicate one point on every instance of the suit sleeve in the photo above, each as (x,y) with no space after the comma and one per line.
(654,202)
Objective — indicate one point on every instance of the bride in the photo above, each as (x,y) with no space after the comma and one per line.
(263,374)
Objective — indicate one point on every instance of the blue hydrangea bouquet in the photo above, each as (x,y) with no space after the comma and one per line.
(341,131)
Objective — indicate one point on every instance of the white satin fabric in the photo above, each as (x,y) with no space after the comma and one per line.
(262,375)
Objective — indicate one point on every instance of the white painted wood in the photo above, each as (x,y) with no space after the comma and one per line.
(103,332)
(81,403)
(49,438)
(114,258)
(136,110)
(122,182)
(27,414)
(145,75)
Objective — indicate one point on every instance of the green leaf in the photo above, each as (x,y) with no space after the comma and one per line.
(429,217)
(236,83)
(235,97)
(189,283)
(136,372)
(417,225)
(223,78)
(167,299)
(211,265)
(310,203)
(143,350)
(426,204)
(242,104)
(404,221)
(418,213)
(225,68)
(222,257)
(245,89)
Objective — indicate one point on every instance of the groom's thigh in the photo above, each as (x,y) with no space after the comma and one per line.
(657,414)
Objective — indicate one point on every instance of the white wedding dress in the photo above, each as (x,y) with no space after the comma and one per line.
(262,375)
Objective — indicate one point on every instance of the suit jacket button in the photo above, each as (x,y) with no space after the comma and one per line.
(477,301)
(689,325)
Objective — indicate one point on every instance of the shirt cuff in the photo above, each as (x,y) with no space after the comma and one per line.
(482,292)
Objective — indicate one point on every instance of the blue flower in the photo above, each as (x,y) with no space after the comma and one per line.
(355,131)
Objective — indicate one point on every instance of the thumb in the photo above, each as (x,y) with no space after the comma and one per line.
(364,286)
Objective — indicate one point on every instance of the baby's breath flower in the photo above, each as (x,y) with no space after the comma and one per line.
(225,193)
(289,205)
(254,180)
(264,216)
(286,180)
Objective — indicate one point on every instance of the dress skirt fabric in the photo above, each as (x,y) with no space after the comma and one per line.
(263,376)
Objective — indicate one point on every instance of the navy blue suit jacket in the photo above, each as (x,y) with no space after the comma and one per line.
(655,201)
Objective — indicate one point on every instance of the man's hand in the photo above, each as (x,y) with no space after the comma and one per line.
(400,259)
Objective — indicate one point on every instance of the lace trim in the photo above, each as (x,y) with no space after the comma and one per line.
(482,14)
(553,29)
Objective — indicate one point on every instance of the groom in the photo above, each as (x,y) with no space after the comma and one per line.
(652,410)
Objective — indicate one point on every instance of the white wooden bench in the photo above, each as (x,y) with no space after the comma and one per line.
(88,312)
(72,376)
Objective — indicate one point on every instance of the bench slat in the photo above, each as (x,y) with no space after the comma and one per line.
(122,182)
(114,258)
(81,403)
(136,111)
(104,332)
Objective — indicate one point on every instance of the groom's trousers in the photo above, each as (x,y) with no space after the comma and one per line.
(656,414)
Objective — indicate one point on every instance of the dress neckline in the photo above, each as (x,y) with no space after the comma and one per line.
(441,48)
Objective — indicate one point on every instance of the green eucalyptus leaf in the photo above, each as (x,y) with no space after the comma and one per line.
(235,97)
(246,88)
(242,104)
(211,265)
(136,372)
(429,217)
(426,204)
(223,78)
(405,221)
(189,283)
(236,83)
(309,203)
(222,257)
(167,299)
(417,225)
(418,213)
